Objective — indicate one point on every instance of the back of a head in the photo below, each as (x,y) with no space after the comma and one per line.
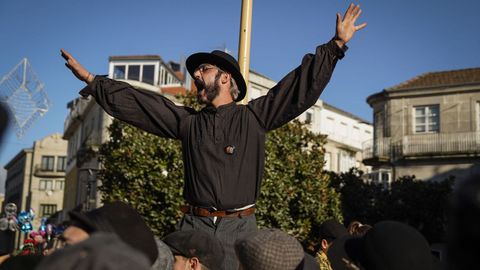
(389,245)
(124,221)
(101,251)
(269,249)
(356,228)
(165,257)
(464,225)
(392,245)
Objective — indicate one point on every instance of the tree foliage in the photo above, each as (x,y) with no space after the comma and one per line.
(421,204)
(146,171)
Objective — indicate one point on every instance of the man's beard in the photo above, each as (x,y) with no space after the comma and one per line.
(211,90)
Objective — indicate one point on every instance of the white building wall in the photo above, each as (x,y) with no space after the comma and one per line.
(346,134)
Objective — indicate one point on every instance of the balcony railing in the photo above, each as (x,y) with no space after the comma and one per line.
(376,149)
(424,144)
(42,172)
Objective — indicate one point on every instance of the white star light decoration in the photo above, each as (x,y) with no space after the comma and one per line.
(23,95)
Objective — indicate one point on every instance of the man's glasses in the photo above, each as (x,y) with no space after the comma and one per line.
(205,67)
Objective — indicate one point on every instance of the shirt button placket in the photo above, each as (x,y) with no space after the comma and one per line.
(217,128)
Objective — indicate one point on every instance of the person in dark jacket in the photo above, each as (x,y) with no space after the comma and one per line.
(223,144)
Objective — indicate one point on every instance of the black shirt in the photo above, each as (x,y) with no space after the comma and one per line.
(223,148)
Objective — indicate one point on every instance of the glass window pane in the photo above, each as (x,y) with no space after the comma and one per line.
(148,74)
(119,72)
(59,184)
(61,163)
(47,163)
(48,185)
(134,72)
(420,121)
(47,209)
(419,112)
(433,110)
(43,185)
(420,129)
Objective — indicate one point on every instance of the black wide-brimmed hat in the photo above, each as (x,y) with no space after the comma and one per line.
(222,60)
(389,245)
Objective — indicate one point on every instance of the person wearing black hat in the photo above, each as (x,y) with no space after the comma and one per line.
(388,245)
(196,250)
(122,220)
(223,144)
(329,230)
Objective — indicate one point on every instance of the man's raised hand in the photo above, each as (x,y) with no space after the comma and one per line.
(346,27)
(77,69)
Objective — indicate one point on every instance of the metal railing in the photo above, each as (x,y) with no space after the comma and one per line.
(379,148)
(423,144)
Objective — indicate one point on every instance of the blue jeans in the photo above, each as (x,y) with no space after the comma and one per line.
(227,230)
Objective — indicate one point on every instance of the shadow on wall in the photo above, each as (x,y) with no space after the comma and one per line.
(460,174)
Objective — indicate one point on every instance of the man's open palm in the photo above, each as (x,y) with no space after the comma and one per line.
(346,27)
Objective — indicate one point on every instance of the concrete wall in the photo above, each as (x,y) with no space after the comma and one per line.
(438,170)
(458,113)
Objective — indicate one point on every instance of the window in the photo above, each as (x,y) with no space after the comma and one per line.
(119,72)
(385,176)
(45,185)
(147,76)
(134,72)
(59,184)
(478,115)
(161,81)
(61,163)
(47,163)
(328,164)
(308,118)
(346,160)
(427,119)
(47,209)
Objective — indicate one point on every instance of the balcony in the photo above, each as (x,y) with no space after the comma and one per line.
(377,150)
(38,171)
(435,144)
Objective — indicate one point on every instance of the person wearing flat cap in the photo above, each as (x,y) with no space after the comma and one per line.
(224,143)
(195,250)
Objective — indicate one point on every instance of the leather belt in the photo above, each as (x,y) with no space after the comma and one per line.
(204,212)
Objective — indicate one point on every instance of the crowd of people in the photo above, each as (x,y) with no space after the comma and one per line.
(115,236)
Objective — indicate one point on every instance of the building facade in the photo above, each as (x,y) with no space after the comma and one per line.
(36,178)
(428,126)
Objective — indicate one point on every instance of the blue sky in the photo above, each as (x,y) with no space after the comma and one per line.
(403,39)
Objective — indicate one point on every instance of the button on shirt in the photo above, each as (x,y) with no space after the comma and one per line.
(213,177)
